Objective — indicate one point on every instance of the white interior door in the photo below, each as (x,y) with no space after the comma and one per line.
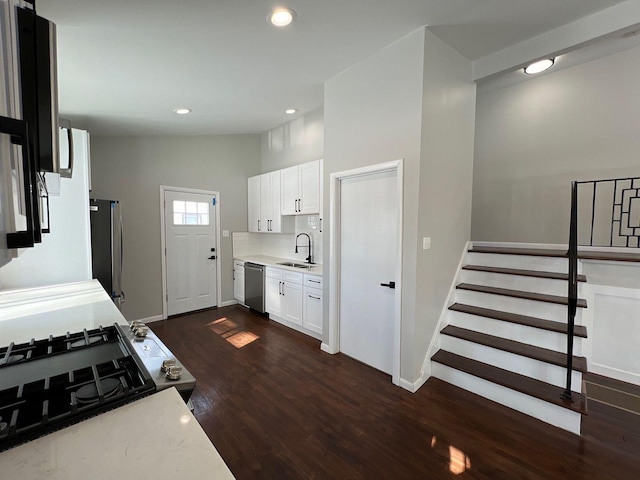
(191,251)
(368,254)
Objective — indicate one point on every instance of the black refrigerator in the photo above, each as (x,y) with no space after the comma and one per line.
(106,246)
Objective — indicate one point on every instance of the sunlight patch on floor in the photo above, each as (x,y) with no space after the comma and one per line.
(233,334)
(458,461)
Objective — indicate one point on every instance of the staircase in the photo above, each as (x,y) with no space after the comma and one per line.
(506,333)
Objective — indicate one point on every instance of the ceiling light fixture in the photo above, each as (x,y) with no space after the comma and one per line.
(290,111)
(281,17)
(182,111)
(539,66)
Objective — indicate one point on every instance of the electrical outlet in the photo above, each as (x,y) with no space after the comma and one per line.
(426,243)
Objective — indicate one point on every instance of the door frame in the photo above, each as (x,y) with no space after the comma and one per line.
(335,184)
(163,242)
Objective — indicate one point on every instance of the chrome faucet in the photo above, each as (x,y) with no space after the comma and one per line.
(308,259)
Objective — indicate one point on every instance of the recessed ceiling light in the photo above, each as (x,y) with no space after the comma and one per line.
(290,111)
(182,111)
(540,66)
(281,17)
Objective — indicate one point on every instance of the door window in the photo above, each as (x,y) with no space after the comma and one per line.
(190,213)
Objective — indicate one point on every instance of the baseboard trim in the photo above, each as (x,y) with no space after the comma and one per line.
(155,318)
(412,386)
(615,373)
(228,303)
(326,348)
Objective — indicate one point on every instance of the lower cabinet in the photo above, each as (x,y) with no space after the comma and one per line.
(273,295)
(312,309)
(294,299)
(292,304)
(238,280)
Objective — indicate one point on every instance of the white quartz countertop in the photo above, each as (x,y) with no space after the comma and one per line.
(275,262)
(156,437)
(55,310)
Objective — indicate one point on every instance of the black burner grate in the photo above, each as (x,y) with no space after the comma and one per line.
(47,394)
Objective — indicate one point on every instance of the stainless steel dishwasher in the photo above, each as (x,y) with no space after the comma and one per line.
(254,286)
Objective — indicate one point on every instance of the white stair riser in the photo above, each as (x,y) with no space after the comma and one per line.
(516,282)
(533,308)
(513,331)
(523,262)
(547,412)
(545,372)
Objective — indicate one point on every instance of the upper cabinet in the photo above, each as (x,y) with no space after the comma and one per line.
(264,205)
(301,189)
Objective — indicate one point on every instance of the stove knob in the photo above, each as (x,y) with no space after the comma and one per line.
(167,364)
(141,331)
(174,373)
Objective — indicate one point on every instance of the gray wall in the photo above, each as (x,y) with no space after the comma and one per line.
(372,115)
(534,138)
(413,100)
(446,172)
(131,169)
(298,141)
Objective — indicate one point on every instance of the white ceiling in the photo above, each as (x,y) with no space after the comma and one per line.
(124,66)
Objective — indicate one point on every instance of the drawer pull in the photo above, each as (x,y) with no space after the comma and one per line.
(314,281)
(311,296)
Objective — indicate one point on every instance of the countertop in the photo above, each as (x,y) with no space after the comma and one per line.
(275,261)
(55,310)
(155,437)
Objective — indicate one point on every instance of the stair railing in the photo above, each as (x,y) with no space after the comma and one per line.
(572,295)
(614,207)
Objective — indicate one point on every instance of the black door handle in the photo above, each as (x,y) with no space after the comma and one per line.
(212,257)
(390,284)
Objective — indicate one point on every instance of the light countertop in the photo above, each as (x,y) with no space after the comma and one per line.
(155,437)
(275,261)
(40,312)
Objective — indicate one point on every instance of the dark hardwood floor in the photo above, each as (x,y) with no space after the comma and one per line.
(277,407)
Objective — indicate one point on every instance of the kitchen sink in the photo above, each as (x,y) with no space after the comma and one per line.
(296,265)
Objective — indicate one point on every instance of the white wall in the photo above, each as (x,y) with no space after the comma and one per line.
(534,138)
(64,254)
(446,173)
(298,141)
(131,169)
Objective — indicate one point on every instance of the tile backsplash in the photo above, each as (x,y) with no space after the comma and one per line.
(282,244)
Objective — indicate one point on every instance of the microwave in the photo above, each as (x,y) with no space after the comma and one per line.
(29,130)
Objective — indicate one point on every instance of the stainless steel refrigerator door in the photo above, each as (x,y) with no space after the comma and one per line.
(116,251)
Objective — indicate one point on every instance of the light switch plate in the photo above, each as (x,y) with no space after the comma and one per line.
(225,233)
(426,243)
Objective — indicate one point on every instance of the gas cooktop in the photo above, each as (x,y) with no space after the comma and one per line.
(50,383)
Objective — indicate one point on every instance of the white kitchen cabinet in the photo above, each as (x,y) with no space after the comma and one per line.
(301,189)
(238,280)
(312,303)
(264,204)
(292,302)
(273,291)
(253,203)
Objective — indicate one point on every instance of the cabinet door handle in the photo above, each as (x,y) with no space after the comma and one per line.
(258,225)
(320,221)
(311,296)
(283,289)
(299,205)
(279,289)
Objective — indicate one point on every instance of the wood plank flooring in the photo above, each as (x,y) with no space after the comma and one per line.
(276,407)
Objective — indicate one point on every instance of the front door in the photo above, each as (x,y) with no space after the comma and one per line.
(368,264)
(191,251)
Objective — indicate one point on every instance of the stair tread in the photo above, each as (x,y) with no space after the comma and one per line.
(524,273)
(578,330)
(556,253)
(514,381)
(512,346)
(519,294)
